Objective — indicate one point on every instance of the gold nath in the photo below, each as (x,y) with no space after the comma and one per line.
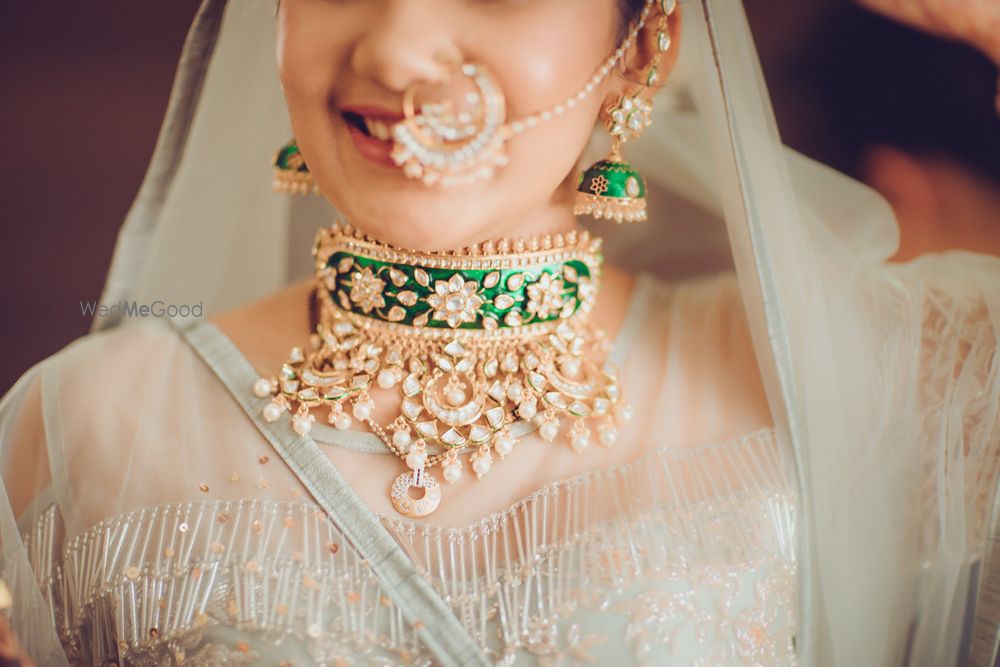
(481,344)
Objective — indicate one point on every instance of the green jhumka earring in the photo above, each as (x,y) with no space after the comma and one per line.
(291,175)
(612,188)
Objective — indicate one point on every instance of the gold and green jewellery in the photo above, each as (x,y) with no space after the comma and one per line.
(481,345)
(291,175)
(612,189)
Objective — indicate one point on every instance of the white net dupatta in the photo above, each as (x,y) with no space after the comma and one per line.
(883,379)
(888,376)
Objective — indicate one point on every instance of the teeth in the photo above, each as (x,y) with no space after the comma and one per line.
(378,129)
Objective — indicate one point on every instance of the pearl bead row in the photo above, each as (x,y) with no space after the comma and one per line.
(541,256)
(500,253)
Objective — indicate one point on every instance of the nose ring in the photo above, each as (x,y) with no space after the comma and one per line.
(443,142)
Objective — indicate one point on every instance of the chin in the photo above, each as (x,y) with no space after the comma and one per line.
(415,217)
(426,231)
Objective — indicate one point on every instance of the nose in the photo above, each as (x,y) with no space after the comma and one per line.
(408,41)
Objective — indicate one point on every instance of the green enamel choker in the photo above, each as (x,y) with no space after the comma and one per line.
(504,287)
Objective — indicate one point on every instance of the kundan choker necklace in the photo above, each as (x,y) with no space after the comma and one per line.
(476,341)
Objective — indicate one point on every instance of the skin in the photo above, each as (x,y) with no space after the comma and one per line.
(974,21)
(940,204)
(10,649)
(366,52)
(333,54)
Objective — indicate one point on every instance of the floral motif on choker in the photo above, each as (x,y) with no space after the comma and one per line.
(494,286)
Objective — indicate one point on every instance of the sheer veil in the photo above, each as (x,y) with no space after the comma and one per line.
(883,381)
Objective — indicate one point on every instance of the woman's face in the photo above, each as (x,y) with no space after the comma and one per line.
(342,57)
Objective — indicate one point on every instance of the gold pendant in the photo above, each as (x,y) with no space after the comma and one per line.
(415,507)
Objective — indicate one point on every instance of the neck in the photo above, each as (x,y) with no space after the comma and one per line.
(554,218)
(424,230)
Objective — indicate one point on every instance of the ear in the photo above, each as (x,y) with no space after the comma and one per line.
(908,184)
(647,53)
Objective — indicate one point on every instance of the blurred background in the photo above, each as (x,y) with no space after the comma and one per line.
(85,86)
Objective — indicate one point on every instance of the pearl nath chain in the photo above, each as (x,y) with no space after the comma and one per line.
(518,126)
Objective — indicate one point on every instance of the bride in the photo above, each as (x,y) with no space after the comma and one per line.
(453,433)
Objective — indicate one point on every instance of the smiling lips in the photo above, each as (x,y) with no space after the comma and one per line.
(371,130)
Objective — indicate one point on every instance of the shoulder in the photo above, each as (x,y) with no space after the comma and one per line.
(118,408)
(130,357)
(693,351)
(712,299)
(106,385)
(97,360)
(698,317)
(74,399)
(105,350)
